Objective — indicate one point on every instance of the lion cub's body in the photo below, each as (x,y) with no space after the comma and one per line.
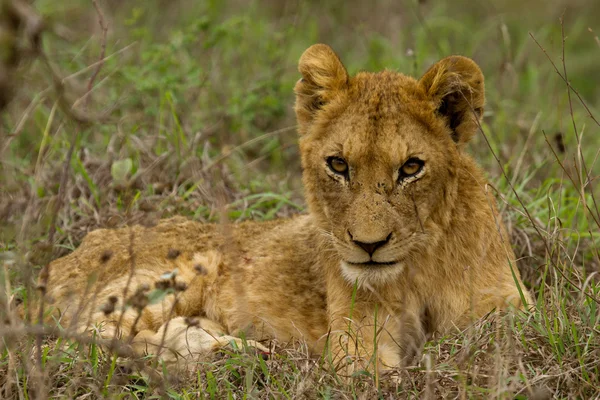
(402,239)
(236,275)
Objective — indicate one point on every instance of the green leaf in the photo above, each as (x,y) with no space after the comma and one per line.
(157,295)
(121,169)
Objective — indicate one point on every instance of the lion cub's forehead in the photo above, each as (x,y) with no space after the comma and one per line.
(386,117)
(386,98)
(389,139)
(385,91)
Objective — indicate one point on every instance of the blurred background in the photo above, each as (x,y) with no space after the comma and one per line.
(189,104)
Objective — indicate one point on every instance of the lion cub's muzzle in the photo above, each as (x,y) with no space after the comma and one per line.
(371,262)
(371,251)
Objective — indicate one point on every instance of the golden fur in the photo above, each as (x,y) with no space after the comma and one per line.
(381,252)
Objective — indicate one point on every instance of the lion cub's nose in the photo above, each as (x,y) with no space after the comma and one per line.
(372,246)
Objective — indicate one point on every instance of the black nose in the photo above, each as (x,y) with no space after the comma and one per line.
(371,247)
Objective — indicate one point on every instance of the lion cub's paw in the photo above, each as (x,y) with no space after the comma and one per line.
(187,340)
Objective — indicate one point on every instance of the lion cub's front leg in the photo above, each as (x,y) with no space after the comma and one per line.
(359,343)
(182,342)
(368,336)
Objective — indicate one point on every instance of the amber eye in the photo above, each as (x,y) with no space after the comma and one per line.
(338,165)
(412,167)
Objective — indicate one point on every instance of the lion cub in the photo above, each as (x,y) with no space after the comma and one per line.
(402,238)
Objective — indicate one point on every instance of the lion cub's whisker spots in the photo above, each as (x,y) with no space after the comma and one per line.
(192,321)
(180,286)
(109,307)
(106,256)
(173,254)
(200,269)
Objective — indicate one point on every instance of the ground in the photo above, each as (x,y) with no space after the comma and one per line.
(115,113)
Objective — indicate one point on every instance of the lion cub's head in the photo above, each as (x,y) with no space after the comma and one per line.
(381,154)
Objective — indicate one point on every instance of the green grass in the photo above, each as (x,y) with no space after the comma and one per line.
(192,115)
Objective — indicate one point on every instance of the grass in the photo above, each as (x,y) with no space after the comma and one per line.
(190,113)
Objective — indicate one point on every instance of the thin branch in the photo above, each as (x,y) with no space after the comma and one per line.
(580,157)
(104,28)
(595,36)
(566,82)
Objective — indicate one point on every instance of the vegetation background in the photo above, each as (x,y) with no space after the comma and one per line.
(116,113)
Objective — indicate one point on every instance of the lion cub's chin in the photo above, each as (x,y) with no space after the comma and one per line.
(371,274)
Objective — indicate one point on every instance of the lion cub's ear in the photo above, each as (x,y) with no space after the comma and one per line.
(323,77)
(455,84)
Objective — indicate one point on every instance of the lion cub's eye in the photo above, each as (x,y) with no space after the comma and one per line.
(411,168)
(338,165)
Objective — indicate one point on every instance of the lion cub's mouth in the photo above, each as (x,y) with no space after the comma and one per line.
(373,264)
(371,272)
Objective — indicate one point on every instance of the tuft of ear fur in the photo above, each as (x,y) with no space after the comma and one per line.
(323,77)
(456,85)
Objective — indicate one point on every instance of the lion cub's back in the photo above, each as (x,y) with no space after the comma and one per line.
(108,254)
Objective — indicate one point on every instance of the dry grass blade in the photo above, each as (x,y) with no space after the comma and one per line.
(104,28)
(570,88)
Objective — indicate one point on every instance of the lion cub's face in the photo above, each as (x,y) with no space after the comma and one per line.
(380,156)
